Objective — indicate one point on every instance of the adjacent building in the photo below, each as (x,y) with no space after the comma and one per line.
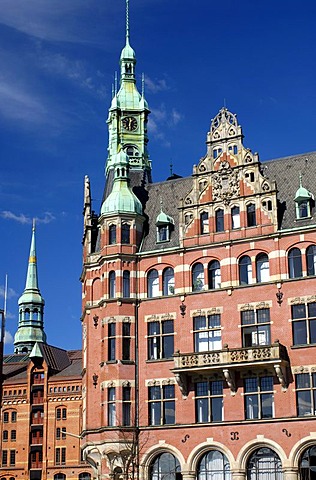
(199,308)
(41,398)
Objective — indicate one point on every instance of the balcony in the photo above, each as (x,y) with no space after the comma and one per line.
(228,361)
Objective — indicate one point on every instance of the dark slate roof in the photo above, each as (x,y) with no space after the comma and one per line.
(286,172)
(73,370)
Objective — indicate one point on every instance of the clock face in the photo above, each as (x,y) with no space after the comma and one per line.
(129,123)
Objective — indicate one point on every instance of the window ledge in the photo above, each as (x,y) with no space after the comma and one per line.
(155,360)
(305,345)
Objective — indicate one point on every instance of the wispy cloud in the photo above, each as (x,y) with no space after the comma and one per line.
(17,103)
(47,217)
(10,294)
(8,338)
(155,86)
(161,119)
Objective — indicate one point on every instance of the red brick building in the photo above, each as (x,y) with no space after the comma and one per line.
(199,309)
(41,398)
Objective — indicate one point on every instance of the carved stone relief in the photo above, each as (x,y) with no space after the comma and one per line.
(225,183)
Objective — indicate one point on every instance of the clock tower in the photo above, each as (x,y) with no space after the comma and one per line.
(128,116)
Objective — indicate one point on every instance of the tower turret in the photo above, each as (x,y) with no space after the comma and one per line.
(31,308)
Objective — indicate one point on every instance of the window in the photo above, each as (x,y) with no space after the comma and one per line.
(165,467)
(264,464)
(162,233)
(307,464)
(153,284)
(262,268)
(4,461)
(126,284)
(207,333)
(126,347)
(255,327)
(160,340)
(85,476)
(112,234)
(214,275)
(60,433)
(311,260)
(213,466)
(219,220)
(59,476)
(13,435)
(12,458)
(303,209)
(5,417)
(126,406)
(61,413)
(235,214)
(258,393)
(111,341)
(13,416)
(112,284)
(251,215)
(245,271)
(60,456)
(126,229)
(5,435)
(168,281)
(305,394)
(204,223)
(161,405)
(304,324)
(209,401)
(197,277)
(111,407)
(295,263)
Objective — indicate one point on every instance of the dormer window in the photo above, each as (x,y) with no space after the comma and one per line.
(303,199)
(164,224)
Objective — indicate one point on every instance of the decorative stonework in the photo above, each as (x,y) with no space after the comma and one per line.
(225,183)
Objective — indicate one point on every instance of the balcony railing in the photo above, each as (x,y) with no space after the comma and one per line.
(230,360)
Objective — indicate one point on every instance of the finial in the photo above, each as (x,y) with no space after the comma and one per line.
(161,204)
(127,20)
(33,227)
(115,83)
(143,84)
(171,168)
(300,179)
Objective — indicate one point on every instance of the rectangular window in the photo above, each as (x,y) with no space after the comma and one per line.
(258,392)
(160,340)
(305,394)
(161,405)
(255,327)
(60,456)
(209,401)
(207,333)
(6,417)
(163,233)
(126,330)
(13,416)
(12,458)
(111,341)
(4,458)
(126,406)
(13,435)
(304,324)
(111,407)
(219,220)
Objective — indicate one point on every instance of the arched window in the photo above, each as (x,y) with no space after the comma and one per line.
(153,284)
(112,234)
(126,284)
(264,464)
(245,271)
(204,223)
(295,263)
(262,268)
(311,260)
(251,215)
(214,465)
(214,275)
(26,314)
(126,233)
(85,476)
(35,314)
(112,284)
(165,467)
(168,281)
(5,435)
(219,220)
(307,464)
(197,277)
(235,214)
(59,476)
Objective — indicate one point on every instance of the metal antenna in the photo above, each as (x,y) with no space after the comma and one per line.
(143,84)
(127,20)
(115,83)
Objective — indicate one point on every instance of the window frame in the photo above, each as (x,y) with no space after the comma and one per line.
(219,220)
(214,275)
(112,234)
(204,223)
(304,325)
(198,277)
(262,268)
(209,401)
(168,281)
(295,267)
(251,215)
(245,270)
(210,333)
(256,395)
(235,217)
(305,394)
(152,283)
(161,405)
(160,339)
(111,406)
(126,234)
(256,330)
(111,342)
(112,284)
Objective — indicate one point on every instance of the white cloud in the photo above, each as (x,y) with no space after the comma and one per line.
(18,104)
(161,119)
(48,217)
(154,86)
(8,338)
(10,294)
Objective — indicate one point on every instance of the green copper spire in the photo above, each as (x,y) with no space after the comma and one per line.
(31,308)
(121,198)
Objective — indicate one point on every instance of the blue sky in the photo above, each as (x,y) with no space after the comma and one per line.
(57,64)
